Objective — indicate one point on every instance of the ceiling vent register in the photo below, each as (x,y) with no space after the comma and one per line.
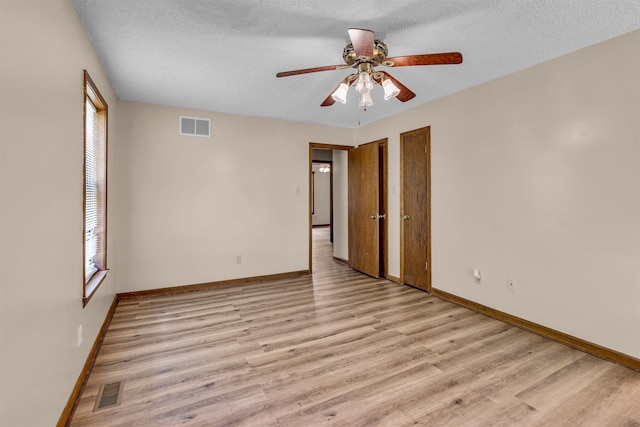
(194,126)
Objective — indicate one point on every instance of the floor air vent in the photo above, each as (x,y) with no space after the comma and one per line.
(109,395)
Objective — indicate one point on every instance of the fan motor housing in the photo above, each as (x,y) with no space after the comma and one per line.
(379,53)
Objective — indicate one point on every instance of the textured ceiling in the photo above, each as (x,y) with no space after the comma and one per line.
(223,55)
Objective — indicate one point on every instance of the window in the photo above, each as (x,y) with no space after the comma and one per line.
(95,189)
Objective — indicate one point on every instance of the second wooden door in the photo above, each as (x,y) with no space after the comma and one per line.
(415,208)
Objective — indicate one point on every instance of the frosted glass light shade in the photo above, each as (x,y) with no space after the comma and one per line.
(364,86)
(340,94)
(364,83)
(365,100)
(390,90)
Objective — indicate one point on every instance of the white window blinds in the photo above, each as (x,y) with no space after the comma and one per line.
(92,194)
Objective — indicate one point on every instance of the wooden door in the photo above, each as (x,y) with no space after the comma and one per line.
(363,209)
(415,257)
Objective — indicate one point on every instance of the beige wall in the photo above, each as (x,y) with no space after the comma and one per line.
(190,206)
(44,50)
(340,204)
(321,195)
(536,177)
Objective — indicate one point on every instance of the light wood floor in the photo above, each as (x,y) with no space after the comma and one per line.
(343,349)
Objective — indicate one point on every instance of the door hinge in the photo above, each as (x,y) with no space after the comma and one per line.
(426,265)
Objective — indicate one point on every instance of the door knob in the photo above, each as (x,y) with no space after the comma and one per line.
(374,216)
(405,217)
(383,216)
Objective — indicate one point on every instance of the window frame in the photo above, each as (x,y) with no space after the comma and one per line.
(93,95)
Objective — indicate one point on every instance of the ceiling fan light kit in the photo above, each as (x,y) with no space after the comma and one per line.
(364,53)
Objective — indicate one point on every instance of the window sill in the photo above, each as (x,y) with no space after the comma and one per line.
(92,286)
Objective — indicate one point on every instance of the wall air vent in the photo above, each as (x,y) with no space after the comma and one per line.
(195,126)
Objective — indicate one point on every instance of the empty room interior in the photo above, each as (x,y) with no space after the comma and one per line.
(302,213)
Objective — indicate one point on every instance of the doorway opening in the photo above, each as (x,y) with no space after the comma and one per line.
(322,193)
(340,231)
(321,155)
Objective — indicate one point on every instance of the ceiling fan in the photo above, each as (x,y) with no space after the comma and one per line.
(363,54)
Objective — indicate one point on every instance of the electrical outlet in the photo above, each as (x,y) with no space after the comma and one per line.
(239,259)
(79,336)
(477,276)
(511,285)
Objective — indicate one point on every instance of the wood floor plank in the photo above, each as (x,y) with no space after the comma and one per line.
(554,389)
(343,349)
(340,407)
(612,400)
(510,412)
(540,360)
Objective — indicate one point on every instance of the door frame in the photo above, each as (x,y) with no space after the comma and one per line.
(383,198)
(320,146)
(427,129)
(383,203)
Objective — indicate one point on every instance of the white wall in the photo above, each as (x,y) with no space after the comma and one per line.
(536,177)
(341,204)
(44,51)
(190,206)
(322,196)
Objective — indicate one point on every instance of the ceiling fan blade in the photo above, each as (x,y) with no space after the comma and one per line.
(405,93)
(426,59)
(311,70)
(330,101)
(362,41)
